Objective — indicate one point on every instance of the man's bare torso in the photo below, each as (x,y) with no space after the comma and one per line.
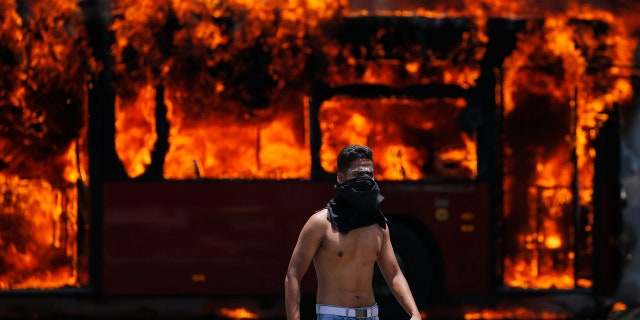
(344,265)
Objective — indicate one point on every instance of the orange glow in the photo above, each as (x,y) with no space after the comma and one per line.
(249,147)
(43,116)
(410,65)
(553,242)
(238,313)
(517,313)
(231,82)
(584,283)
(383,125)
(233,89)
(223,86)
(137,118)
(619,306)
(551,70)
(48,214)
(526,275)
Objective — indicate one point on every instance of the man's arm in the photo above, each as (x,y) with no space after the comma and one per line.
(395,279)
(308,243)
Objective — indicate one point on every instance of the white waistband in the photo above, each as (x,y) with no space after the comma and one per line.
(358,313)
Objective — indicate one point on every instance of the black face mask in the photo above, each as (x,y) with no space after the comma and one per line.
(356,205)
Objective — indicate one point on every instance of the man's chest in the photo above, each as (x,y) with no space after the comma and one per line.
(362,243)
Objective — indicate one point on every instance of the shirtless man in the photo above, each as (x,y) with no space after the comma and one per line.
(344,241)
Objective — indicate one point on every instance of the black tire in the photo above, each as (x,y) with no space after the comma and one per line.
(418,264)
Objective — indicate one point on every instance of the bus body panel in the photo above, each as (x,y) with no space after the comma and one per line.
(236,237)
(457,214)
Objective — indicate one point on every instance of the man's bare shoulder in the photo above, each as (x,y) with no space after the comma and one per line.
(315,227)
(318,219)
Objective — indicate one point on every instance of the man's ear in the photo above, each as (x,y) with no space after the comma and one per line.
(340,178)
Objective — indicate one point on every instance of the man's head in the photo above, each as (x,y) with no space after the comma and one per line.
(354,161)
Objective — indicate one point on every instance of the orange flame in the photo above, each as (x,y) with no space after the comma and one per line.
(43,143)
(570,46)
(138,120)
(619,306)
(234,84)
(517,313)
(44,255)
(232,65)
(238,313)
(228,147)
(382,124)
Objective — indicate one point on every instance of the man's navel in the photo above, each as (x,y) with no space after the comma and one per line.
(340,254)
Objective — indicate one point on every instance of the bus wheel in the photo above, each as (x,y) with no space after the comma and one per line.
(417,263)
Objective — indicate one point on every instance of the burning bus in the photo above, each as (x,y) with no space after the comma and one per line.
(175,148)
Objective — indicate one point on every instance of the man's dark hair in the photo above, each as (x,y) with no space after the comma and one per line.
(353,152)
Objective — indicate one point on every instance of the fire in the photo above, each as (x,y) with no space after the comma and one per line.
(223,130)
(221,90)
(553,242)
(580,93)
(517,313)
(382,124)
(219,85)
(43,143)
(368,53)
(619,306)
(226,95)
(238,313)
(249,147)
(46,258)
(135,148)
